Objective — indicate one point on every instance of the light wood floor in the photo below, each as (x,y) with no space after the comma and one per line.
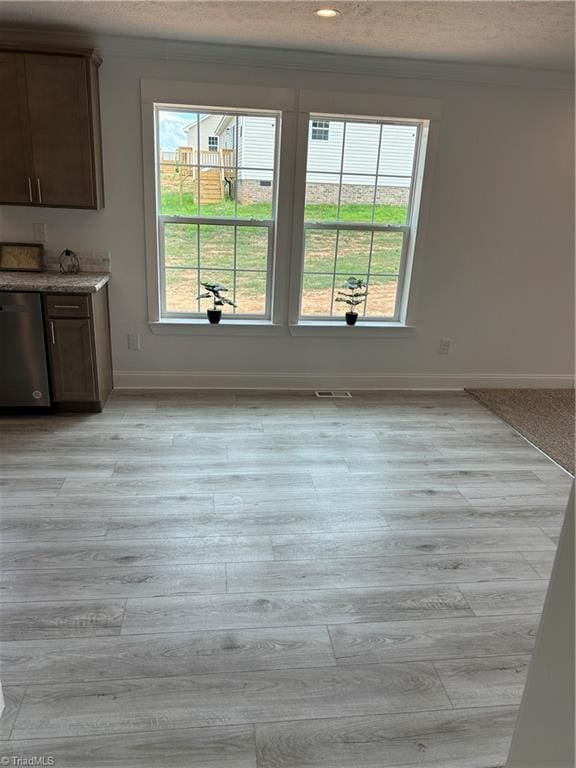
(272,581)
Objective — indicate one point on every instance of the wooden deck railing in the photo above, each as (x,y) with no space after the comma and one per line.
(203,158)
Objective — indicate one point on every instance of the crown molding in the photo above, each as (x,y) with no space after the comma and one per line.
(297,60)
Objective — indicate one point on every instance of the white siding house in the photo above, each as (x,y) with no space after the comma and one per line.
(210,140)
(364,153)
(251,167)
(359,153)
(256,143)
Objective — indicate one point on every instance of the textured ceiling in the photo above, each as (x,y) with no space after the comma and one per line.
(519,33)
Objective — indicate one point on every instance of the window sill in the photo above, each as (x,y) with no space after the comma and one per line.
(341,330)
(310,328)
(193,327)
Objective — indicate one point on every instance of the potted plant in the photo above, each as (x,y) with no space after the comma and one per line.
(355,294)
(214,291)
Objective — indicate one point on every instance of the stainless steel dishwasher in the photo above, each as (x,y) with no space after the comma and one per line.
(23,368)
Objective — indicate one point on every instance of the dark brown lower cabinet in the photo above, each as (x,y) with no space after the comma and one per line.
(78,337)
(72,358)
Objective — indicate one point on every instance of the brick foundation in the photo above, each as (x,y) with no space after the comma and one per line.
(249,191)
(356,193)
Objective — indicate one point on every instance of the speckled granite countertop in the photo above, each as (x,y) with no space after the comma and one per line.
(53,282)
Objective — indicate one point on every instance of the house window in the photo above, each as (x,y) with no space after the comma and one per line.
(215,222)
(360,217)
(319,130)
(213,143)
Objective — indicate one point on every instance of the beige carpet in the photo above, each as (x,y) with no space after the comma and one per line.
(544,416)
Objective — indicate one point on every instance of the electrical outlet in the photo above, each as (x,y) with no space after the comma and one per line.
(445,346)
(134,341)
(39,233)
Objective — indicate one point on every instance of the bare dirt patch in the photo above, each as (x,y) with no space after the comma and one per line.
(181,297)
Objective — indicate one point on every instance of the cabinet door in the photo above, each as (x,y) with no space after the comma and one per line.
(71,348)
(60,120)
(16,164)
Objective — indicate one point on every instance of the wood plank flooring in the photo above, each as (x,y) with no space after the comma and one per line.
(331,584)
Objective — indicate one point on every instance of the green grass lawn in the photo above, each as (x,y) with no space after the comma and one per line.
(217,245)
(383,214)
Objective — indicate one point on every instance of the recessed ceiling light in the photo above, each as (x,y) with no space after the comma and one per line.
(327,13)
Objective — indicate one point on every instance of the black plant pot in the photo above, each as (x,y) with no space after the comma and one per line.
(351,318)
(214,316)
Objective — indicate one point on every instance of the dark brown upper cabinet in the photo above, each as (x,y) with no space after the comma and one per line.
(50,146)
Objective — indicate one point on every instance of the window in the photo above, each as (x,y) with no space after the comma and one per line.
(359,215)
(215,218)
(319,130)
(302,190)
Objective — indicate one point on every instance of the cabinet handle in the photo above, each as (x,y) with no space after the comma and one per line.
(52,332)
(66,306)
(39,190)
(30,189)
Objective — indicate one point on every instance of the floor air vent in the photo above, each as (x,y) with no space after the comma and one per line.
(332,393)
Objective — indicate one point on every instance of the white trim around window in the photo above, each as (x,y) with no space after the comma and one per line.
(197,223)
(286,265)
(225,97)
(366,185)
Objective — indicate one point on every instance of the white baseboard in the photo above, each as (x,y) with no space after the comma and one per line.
(310,381)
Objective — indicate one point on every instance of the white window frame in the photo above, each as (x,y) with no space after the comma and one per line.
(295,106)
(269,224)
(229,98)
(407,229)
(212,139)
(379,107)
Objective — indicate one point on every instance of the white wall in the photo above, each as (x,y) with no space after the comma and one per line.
(496,262)
(544,732)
